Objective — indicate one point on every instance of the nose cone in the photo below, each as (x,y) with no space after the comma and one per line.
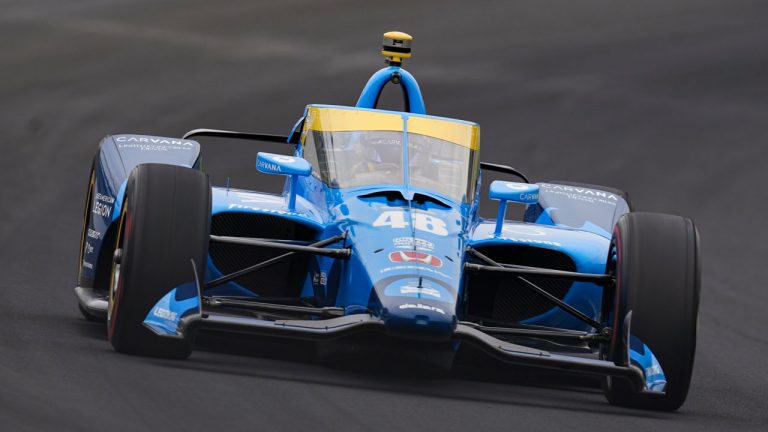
(410,254)
(417,308)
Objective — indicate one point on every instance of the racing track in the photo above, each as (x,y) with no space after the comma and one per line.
(668,100)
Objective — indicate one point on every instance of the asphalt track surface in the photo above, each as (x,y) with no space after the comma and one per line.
(668,100)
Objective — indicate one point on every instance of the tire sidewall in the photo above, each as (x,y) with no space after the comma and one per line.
(658,280)
(165,224)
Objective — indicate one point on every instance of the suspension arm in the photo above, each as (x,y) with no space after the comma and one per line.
(495,266)
(248,270)
(336,253)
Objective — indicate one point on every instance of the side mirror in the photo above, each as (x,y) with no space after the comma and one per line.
(269,163)
(292,166)
(523,193)
(503,191)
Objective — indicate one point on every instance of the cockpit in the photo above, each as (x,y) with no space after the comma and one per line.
(353,147)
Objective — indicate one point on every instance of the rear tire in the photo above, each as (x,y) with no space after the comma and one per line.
(164,223)
(655,258)
(82,281)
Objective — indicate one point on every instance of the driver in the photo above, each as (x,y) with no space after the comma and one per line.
(378,154)
(420,157)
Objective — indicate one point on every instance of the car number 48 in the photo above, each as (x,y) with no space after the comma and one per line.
(421,222)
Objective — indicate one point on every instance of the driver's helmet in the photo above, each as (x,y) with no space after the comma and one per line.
(379,152)
(383,151)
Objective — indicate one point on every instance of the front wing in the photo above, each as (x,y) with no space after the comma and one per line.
(181,315)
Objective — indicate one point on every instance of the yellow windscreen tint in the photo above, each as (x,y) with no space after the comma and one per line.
(343,120)
(327,119)
(463,134)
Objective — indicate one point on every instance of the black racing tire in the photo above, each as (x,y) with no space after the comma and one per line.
(164,224)
(655,258)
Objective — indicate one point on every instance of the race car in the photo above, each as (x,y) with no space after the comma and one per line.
(376,239)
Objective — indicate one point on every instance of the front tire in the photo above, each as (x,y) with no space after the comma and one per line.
(655,258)
(164,223)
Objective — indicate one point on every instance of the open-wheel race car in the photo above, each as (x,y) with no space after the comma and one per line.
(377,237)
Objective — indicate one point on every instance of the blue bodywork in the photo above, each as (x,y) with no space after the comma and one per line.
(117,156)
(408,244)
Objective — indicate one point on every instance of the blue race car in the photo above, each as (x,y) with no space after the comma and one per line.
(376,240)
